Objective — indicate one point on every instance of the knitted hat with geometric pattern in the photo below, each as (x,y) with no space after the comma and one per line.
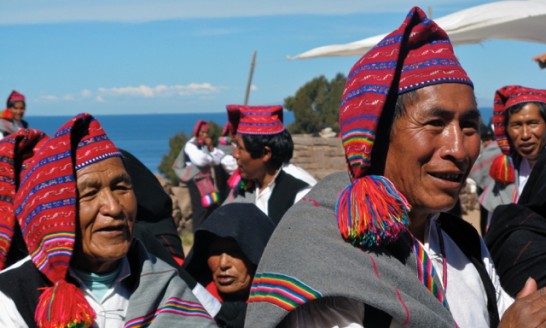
(16,150)
(47,211)
(256,120)
(416,55)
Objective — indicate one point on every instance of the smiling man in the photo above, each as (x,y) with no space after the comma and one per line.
(77,208)
(388,253)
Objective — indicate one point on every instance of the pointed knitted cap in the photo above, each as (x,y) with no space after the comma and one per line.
(14,96)
(46,208)
(416,55)
(16,150)
(256,120)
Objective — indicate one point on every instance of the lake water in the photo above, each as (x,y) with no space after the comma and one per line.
(147,136)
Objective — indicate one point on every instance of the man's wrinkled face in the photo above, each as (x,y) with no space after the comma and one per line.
(433,146)
(106,215)
(527,131)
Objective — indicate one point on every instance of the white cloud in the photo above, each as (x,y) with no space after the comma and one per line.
(141,91)
(48,98)
(33,12)
(159,90)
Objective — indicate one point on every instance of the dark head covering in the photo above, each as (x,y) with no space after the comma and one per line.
(243,222)
(416,55)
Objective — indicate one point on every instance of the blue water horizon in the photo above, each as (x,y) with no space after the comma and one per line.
(147,136)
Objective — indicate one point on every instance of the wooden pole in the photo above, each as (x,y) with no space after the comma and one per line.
(249,83)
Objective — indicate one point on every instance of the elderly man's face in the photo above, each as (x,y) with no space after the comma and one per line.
(527,131)
(107,211)
(433,146)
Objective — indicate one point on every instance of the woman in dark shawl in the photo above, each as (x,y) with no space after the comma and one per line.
(227,248)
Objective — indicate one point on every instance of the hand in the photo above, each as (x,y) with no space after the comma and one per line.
(210,145)
(529,308)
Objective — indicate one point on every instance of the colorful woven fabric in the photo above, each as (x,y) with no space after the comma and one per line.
(416,55)
(15,151)
(256,120)
(502,169)
(173,305)
(46,206)
(281,290)
(420,53)
(14,96)
(426,273)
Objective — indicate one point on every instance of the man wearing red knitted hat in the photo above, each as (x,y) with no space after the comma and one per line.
(76,208)
(516,197)
(377,248)
(262,147)
(519,118)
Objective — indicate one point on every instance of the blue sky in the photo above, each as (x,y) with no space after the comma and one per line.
(181,56)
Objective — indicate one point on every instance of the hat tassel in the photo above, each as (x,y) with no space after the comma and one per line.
(63,305)
(371,212)
(502,169)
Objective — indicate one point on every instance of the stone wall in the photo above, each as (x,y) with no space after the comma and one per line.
(318,156)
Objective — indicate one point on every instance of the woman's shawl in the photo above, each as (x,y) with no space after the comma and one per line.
(306,259)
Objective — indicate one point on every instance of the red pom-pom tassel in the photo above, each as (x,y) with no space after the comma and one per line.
(63,305)
(371,212)
(502,169)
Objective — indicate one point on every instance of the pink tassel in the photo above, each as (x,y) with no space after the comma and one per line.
(63,305)
(502,169)
(371,212)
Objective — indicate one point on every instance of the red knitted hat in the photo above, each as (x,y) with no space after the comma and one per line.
(197,127)
(502,168)
(16,150)
(257,120)
(15,96)
(46,208)
(416,55)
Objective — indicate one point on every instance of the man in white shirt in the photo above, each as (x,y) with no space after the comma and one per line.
(262,147)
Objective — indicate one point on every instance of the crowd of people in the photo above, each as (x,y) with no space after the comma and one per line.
(87,237)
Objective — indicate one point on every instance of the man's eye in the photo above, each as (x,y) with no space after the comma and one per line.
(435,123)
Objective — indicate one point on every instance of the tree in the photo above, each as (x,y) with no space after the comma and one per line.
(316,105)
(176,144)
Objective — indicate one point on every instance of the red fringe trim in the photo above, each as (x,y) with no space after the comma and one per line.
(63,305)
(502,169)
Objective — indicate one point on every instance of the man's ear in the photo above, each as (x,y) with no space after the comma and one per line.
(267,154)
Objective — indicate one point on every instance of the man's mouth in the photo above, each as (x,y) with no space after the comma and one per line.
(453,177)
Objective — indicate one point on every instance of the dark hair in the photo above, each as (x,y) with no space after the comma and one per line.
(281,145)
(12,103)
(402,101)
(517,107)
